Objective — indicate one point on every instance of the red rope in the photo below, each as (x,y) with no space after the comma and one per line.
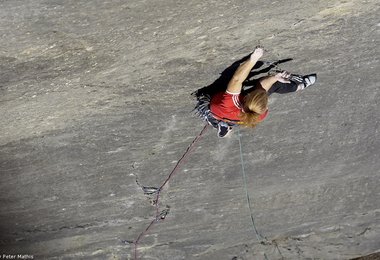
(159,216)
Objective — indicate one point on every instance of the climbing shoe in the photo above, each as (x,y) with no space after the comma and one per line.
(303,81)
(309,79)
(223,129)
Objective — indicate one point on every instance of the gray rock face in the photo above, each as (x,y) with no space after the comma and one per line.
(95,105)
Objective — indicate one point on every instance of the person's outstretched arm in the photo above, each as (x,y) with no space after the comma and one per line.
(242,72)
(268,81)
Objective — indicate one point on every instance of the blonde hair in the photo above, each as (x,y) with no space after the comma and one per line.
(254,104)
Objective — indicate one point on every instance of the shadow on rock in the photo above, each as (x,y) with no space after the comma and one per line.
(221,83)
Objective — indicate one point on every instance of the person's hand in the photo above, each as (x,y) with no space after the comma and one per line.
(257,54)
(283,77)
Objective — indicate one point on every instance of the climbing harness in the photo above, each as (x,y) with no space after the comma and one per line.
(202,110)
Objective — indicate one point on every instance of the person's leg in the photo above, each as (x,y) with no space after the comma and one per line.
(297,83)
(283,88)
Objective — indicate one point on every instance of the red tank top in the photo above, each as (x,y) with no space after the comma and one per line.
(227,105)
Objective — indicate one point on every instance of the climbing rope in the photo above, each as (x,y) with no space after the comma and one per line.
(258,236)
(262,240)
(161,215)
